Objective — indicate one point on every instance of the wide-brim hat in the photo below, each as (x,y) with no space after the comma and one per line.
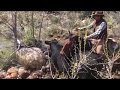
(97,13)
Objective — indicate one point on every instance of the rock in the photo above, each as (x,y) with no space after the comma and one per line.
(46,68)
(23,74)
(35,75)
(31,58)
(2,74)
(12,73)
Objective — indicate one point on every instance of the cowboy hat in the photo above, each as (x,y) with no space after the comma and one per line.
(97,13)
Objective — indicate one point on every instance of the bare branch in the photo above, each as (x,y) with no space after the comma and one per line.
(41,25)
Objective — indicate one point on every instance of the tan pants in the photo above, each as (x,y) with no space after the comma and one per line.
(98,43)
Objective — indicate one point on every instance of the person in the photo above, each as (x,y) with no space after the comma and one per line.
(99,35)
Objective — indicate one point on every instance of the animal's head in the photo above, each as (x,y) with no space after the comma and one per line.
(53,43)
(48,42)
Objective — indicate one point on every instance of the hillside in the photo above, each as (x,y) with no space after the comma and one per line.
(45,25)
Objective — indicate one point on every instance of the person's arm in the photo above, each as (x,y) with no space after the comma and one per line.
(87,27)
(101,27)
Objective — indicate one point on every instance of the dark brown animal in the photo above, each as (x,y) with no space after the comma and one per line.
(71,47)
(57,59)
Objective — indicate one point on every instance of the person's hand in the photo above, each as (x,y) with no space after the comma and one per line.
(76,29)
(86,37)
(81,28)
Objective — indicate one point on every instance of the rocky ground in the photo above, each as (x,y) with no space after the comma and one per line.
(15,72)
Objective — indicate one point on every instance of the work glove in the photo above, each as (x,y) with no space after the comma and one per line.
(80,29)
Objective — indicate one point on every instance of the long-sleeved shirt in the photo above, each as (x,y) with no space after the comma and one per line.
(99,29)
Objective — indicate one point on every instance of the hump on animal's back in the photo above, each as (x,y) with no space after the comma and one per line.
(54,45)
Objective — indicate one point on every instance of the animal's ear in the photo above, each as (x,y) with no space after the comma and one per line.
(55,40)
(47,42)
